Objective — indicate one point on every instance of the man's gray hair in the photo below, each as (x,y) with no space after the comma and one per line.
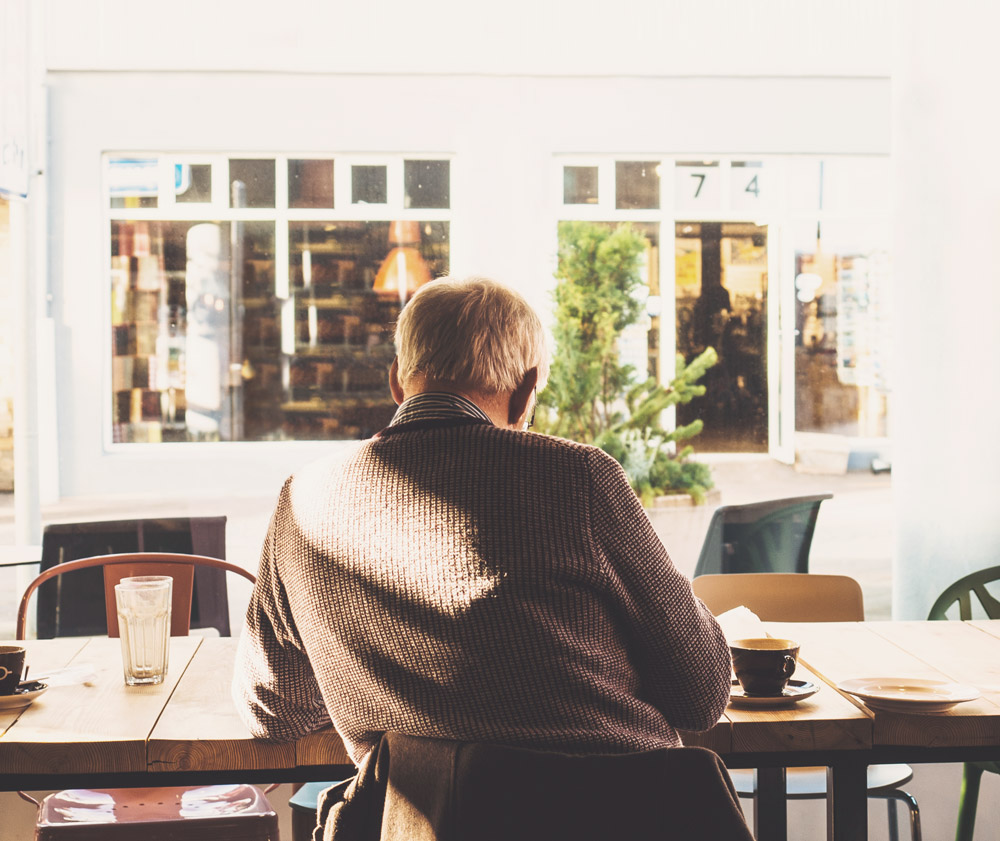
(475,332)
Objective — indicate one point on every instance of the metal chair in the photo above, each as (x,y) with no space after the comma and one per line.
(77,610)
(116,567)
(796,597)
(770,536)
(196,813)
(961,593)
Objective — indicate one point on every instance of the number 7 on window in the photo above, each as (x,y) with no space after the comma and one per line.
(701,182)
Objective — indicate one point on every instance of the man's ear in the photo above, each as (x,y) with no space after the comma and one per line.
(394,386)
(518,406)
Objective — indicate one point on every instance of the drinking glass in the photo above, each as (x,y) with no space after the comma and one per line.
(144,624)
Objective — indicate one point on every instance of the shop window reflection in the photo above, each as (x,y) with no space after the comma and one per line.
(426,184)
(721,295)
(580,185)
(310,364)
(193,183)
(637,185)
(369,185)
(842,329)
(251,182)
(310,183)
(235,329)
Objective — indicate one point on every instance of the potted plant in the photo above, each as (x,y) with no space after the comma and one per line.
(594,398)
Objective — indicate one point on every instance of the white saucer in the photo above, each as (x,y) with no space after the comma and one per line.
(21,698)
(797,690)
(908,695)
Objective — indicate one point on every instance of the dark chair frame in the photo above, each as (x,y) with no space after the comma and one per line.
(774,535)
(76,606)
(961,592)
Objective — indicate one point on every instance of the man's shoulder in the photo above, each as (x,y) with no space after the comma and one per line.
(586,457)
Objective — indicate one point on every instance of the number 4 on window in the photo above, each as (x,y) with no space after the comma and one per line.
(753,187)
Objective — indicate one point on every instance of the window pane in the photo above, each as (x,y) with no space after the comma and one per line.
(193,182)
(842,336)
(134,182)
(697,186)
(579,185)
(368,185)
(637,185)
(721,302)
(349,280)
(251,182)
(427,183)
(173,297)
(310,183)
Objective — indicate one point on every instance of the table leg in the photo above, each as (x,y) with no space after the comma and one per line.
(770,814)
(847,801)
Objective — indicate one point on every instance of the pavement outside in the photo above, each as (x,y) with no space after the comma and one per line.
(854,536)
(853,533)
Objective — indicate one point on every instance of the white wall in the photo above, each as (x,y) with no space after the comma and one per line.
(554,37)
(946,470)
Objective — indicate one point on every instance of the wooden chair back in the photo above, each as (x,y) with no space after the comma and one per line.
(784,597)
(116,567)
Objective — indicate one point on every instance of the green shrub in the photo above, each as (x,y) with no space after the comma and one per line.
(590,396)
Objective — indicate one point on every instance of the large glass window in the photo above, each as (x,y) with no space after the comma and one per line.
(780,264)
(256,312)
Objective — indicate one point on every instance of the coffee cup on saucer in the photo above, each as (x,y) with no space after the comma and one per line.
(763,665)
(11,667)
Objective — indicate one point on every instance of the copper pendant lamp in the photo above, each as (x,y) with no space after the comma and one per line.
(403,271)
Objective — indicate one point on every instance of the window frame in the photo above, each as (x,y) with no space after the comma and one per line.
(281,215)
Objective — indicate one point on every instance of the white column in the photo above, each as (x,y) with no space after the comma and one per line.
(946,406)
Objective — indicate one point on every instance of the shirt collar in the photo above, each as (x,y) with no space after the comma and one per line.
(437,405)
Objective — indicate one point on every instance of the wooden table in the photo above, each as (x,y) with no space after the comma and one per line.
(187,731)
(184,730)
(823,731)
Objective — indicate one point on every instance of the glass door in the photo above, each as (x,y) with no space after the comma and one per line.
(721,302)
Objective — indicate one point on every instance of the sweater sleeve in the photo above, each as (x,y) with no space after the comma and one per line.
(274,686)
(681,654)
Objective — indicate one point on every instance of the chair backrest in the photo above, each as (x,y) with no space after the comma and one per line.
(417,789)
(784,597)
(117,567)
(770,536)
(76,607)
(962,592)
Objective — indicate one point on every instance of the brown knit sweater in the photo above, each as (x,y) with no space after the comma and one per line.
(455,580)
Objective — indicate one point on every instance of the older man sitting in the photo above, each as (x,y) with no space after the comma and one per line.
(459,577)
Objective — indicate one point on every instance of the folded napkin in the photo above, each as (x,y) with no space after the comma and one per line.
(741,623)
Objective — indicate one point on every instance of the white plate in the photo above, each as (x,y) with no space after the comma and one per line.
(908,695)
(797,690)
(21,698)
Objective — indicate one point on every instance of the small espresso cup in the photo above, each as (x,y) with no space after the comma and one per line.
(11,667)
(764,665)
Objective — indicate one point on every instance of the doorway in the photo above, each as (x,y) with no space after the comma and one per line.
(721,302)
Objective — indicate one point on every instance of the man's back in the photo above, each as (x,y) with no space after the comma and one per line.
(457,580)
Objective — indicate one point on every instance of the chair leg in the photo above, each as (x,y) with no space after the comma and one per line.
(968,800)
(890,804)
(908,800)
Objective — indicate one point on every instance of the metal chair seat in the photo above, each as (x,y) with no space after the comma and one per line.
(208,813)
